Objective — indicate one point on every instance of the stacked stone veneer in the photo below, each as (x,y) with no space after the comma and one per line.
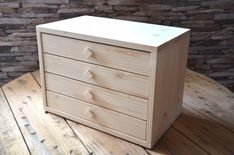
(212,23)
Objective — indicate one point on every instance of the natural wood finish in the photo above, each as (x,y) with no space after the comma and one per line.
(154,73)
(101,143)
(169,85)
(43,134)
(105,55)
(128,34)
(129,105)
(117,80)
(175,142)
(41,65)
(210,99)
(36,75)
(97,115)
(11,140)
(205,132)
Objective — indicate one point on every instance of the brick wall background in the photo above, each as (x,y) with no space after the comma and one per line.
(212,23)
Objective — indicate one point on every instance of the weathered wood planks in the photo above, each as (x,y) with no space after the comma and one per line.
(204,132)
(11,140)
(210,99)
(43,133)
(101,143)
(176,143)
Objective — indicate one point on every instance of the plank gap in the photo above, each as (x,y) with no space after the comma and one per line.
(89,151)
(187,137)
(16,121)
(212,120)
(36,77)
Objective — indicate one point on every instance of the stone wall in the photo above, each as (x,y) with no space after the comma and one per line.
(212,23)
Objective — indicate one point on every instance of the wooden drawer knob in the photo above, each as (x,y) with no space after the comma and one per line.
(88,74)
(87,53)
(88,95)
(89,113)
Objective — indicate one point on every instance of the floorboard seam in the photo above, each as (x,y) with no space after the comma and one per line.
(16,121)
(35,79)
(191,140)
(147,151)
(215,122)
(90,153)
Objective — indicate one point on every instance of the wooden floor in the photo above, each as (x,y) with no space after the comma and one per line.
(206,125)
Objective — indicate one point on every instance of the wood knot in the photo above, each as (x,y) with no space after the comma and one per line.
(55,147)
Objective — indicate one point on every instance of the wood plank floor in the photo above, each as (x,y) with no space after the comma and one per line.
(206,125)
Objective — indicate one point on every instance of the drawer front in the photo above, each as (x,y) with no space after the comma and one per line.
(110,56)
(107,118)
(129,105)
(125,82)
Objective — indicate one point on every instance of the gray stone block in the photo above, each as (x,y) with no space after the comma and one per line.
(81,11)
(45,1)
(9,5)
(125,8)
(104,8)
(14,21)
(224,16)
(129,2)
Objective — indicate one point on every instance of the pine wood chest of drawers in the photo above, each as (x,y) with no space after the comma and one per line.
(123,78)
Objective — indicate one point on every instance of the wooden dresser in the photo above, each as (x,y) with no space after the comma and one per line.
(123,78)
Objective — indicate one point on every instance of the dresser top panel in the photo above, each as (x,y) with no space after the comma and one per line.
(117,32)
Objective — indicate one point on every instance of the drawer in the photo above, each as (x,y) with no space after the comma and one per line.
(123,103)
(125,82)
(105,55)
(107,118)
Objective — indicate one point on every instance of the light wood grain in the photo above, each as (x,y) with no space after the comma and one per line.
(169,84)
(210,99)
(98,115)
(41,65)
(103,144)
(129,105)
(205,132)
(11,140)
(117,80)
(100,54)
(136,35)
(43,133)
(36,75)
(175,142)
(148,62)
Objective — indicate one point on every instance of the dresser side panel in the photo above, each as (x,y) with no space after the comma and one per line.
(41,66)
(169,85)
(151,100)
